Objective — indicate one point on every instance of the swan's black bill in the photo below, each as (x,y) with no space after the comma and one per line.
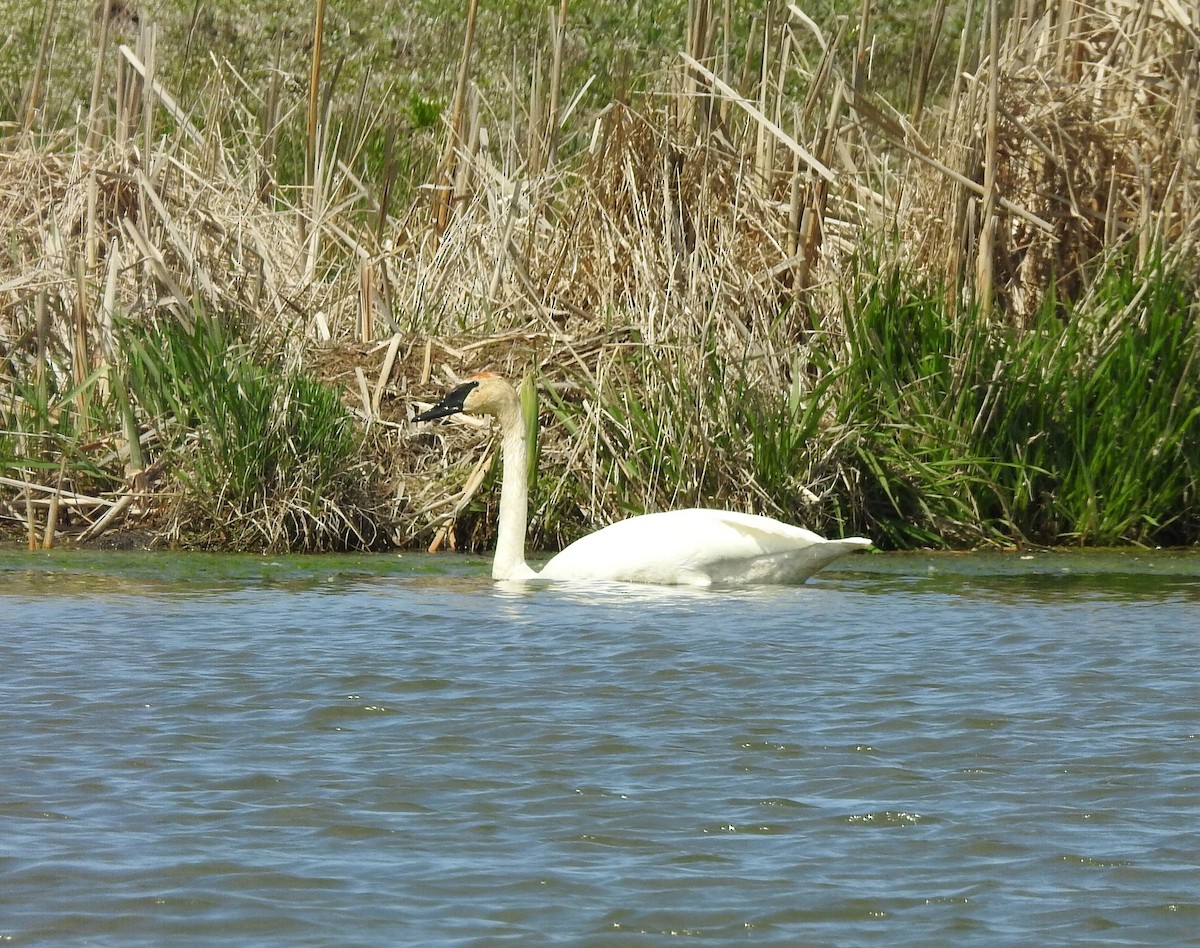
(452,404)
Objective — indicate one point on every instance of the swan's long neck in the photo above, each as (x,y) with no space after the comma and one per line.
(509,562)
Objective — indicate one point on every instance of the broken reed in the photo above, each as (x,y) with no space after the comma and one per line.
(676,273)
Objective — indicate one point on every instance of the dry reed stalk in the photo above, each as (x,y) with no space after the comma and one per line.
(42,328)
(81,362)
(726,55)
(123,96)
(535,141)
(270,125)
(964,44)
(466,495)
(445,172)
(558,31)
(311,135)
(108,303)
(510,221)
(1064,30)
(68,498)
(53,508)
(91,237)
(896,136)
(815,210)
(148,44)
(426,364)
(157,265)
(366,328)
(34,95)
(465,169)
(160,95)
(699,27)
(30,522)
(777,110)
(766,126)
(363,393)
(108,519)
(861,58)
(926,64)
(385,372)
(764,78)
(987,223)
(818,90)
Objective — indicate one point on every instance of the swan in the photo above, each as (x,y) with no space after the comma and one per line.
(695,547)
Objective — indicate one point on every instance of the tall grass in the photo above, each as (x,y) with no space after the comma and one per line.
(266,457)
(1083,427)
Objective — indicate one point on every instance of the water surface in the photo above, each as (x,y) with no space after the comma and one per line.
(908,750)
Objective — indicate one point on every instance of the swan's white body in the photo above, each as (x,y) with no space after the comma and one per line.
(678,547)
(699,548)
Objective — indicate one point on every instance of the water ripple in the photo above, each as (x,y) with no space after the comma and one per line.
(915,752)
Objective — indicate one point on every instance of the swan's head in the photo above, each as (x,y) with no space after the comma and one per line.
(483,394)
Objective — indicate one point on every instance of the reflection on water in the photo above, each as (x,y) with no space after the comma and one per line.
(907,750)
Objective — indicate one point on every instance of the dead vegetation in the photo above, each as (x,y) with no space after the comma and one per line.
(700,240)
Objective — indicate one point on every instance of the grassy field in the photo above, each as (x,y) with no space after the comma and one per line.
(928,275)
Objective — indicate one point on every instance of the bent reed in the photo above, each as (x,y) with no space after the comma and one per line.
(952,308)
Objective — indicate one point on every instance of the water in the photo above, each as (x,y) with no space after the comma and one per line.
(364,751)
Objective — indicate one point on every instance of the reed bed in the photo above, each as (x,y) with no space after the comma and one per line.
(755,283)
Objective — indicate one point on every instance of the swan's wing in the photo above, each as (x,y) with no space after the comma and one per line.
(699,547)
(788,567)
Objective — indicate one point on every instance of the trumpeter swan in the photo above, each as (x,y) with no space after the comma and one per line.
(678,547)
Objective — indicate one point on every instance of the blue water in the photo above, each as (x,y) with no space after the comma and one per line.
(361,751)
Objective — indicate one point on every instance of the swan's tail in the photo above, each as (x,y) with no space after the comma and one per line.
(814,558)
(787,567)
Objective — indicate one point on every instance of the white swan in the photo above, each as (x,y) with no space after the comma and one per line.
(679,547)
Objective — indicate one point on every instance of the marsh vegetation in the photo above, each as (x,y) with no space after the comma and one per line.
(929,277)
